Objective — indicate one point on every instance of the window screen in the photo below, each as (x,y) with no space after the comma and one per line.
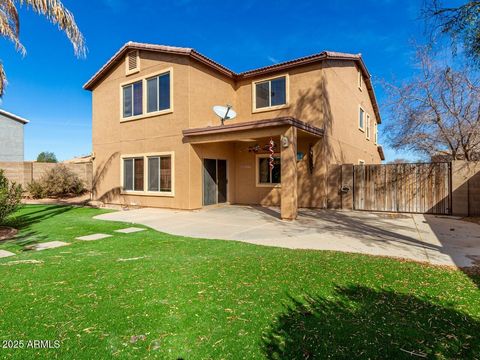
(133,99)
(128,174)
(154,174)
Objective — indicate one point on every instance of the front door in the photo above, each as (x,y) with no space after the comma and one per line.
(214,181)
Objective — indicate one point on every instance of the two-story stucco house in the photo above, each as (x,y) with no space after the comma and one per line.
(11,136)
(157,142)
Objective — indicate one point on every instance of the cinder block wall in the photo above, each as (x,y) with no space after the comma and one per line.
(24,172)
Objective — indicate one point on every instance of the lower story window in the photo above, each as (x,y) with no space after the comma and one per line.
(266,175)
(148,173)
(160,173)
(133,174)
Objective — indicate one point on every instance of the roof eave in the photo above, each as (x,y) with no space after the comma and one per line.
(130,46)
(14,117)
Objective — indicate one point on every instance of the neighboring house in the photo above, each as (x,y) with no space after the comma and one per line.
(157,142)
(11,136)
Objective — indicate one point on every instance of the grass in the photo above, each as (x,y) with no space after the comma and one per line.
(153,295)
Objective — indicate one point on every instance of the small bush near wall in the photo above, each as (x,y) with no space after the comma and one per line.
(56,182)
(10,197)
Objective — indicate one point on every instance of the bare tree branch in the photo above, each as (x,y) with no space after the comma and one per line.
(437,112)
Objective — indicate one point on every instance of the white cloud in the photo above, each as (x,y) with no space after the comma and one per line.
(273,60)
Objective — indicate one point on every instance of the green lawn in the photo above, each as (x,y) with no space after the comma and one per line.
(204,299)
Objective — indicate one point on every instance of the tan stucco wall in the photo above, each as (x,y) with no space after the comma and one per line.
(323,94)
(326,95)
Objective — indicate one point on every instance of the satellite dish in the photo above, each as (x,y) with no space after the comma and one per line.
(225,112)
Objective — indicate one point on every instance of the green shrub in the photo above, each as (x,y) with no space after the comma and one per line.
(10,197)
(36,190)
(59,181)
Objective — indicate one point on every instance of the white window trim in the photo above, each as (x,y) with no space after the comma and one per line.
(146,114)
(271,108)
(360,80)
(368,129)
(145,157)
(257,172)
(358,118)
(375,135)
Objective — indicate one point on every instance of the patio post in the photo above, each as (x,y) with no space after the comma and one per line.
(288,159)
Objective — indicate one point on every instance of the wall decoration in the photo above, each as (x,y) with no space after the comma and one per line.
(311,164)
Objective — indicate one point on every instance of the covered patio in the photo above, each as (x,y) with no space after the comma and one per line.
(288,135)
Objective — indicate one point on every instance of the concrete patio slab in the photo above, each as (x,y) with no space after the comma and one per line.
(93,237)
(49,245)
(129,230)
(5,253)
(440,240)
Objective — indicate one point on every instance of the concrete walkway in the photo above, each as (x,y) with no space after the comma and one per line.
(438,240)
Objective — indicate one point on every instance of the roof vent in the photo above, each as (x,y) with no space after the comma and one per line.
(132,62)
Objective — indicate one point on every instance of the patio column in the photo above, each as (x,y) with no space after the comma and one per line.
(288,158)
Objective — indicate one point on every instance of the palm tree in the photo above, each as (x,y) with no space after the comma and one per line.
(53,10)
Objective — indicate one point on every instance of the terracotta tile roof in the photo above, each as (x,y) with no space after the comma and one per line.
(325,55)
(302,61)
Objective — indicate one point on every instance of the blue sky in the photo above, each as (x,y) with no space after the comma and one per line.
(46,85)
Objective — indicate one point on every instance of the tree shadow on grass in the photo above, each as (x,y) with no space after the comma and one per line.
(360,322)
(37,215)
(23,222)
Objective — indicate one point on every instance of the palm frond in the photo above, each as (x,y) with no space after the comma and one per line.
(3,80)
(57,14)
(9,24)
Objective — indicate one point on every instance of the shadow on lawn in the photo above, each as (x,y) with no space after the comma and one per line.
(22,222)
(364,323)
(37,215)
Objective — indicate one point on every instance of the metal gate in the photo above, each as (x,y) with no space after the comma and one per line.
(410,188)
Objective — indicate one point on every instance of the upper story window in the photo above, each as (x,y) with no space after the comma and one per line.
(133,99)
(158,93)
(270,93)
(147,96)
(375,135)
(361,119)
